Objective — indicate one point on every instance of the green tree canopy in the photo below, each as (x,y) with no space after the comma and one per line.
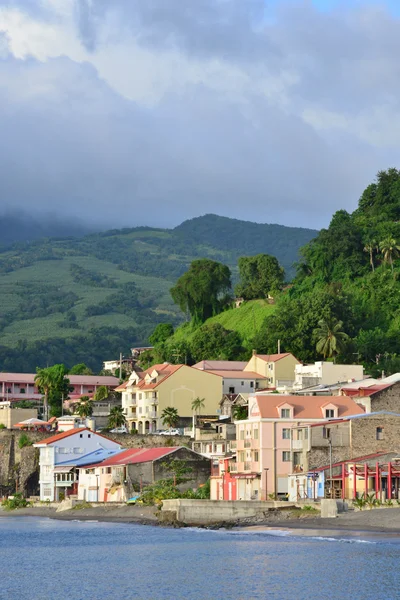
(116,418)
(161,333)
(214,342)
(80,369)
(84,408)
(54,384)
(101,393)
(203,290)
(259,275)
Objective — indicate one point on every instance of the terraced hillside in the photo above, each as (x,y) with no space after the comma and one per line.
(86,299)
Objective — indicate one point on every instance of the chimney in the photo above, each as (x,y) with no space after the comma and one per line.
(254,352)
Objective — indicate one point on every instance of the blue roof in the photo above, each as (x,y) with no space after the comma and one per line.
(89,459)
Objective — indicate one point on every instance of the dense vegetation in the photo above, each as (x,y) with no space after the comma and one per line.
(87,299)
(343,304)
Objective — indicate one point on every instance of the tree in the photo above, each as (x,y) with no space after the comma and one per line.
(54,384)
(390,250)
(213,342)
(178,468)
(259,275)
(330,337)
(170,417)
(239,413)
(161,333)
(80,369)
(370,247)
(197,405)
(85,407)
(203,291)
(101,393)
(116,418)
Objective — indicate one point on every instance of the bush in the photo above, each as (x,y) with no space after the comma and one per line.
(14,502)
(2,426)
(24,441)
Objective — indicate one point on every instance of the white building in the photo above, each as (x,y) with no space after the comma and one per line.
(235,379)
(63,448)
(326,373)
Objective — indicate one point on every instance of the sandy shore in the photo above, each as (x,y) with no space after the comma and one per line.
(144,515)
(384,521)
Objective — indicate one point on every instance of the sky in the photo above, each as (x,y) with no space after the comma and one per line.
(150,112)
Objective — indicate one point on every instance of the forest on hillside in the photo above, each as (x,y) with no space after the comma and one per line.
(343,303)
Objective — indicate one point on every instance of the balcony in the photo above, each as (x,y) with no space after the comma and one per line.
(298,444)
(233,467)
(247,444)
(247,466)
(233,445)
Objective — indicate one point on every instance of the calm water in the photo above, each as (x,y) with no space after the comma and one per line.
(41,559)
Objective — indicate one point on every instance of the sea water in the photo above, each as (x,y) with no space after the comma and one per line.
(43,559)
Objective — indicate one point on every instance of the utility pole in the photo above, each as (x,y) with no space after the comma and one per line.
(120,365)
(279,346)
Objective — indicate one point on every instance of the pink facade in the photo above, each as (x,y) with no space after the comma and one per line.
(263,441)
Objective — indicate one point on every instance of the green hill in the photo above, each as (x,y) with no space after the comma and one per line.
(86,299)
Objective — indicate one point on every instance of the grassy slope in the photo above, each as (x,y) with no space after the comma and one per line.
(246,320)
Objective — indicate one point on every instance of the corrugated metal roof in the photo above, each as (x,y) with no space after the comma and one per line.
(137,455)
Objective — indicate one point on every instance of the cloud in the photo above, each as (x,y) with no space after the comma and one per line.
(154,111)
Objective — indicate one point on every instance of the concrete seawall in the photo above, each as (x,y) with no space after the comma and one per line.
(208,512)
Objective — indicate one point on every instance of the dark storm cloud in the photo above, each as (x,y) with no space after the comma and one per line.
(281,117)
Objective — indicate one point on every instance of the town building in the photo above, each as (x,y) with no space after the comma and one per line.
(10,416)
(277,369)
(21,386)
(146,394)
(127,473)
(58,456)
(325,373)
(263,441)
(213,438)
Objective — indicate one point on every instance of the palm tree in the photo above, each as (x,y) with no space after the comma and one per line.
(330,337)
(197,405)
(170,417)
(390,250)
(43,381)
(370,247)
(101,393)
(116,418)
(85,407)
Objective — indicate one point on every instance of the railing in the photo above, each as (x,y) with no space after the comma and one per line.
(233,444)
(247,466)
(247,444)
(233,468)
(298,444)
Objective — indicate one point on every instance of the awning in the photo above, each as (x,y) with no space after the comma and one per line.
(63,469)
(245,475)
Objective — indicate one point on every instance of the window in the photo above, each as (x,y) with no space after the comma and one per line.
(47,492)
(231,390)
(140,396)
(81,435)
(9,391)
(22,390)
(47,469)
(326,433)
(286,434)
(255,456)
(255,434)
(140,410)
(78,450)
(242,383)
(296,459)
(379,433)
(285,413)
(285,456)
(108,470)
(252,384)
(241,434)
(241,456)
(329,413)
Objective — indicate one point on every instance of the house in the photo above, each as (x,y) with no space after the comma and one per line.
(21,386)
(263,441)
(277,369)
(213,438)
(314,445)
(229,401)
(146,394)
(376,474)
(326,373)
(128,472)
(383,395)
(67,447)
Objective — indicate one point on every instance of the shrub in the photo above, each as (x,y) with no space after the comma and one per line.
(309,508)
(14,502)
(2,426)
(359,502)
(81,506)
(24,441)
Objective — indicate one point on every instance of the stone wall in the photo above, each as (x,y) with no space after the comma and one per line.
(19,467)
(149,441)
(388,399)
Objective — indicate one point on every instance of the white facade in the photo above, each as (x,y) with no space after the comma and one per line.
(53,476)
(238,385)
(326,373)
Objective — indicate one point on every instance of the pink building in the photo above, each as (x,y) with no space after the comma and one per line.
(21,386)
(263,441)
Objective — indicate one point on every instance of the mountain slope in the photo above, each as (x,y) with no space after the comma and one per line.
(100,294)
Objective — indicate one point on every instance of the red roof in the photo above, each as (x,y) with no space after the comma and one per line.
(65,434)
(273,357)
(366,391)
(136,455)
(352,460)
(305,407)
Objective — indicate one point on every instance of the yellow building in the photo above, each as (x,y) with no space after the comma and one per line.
(278,369)
(145,395)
